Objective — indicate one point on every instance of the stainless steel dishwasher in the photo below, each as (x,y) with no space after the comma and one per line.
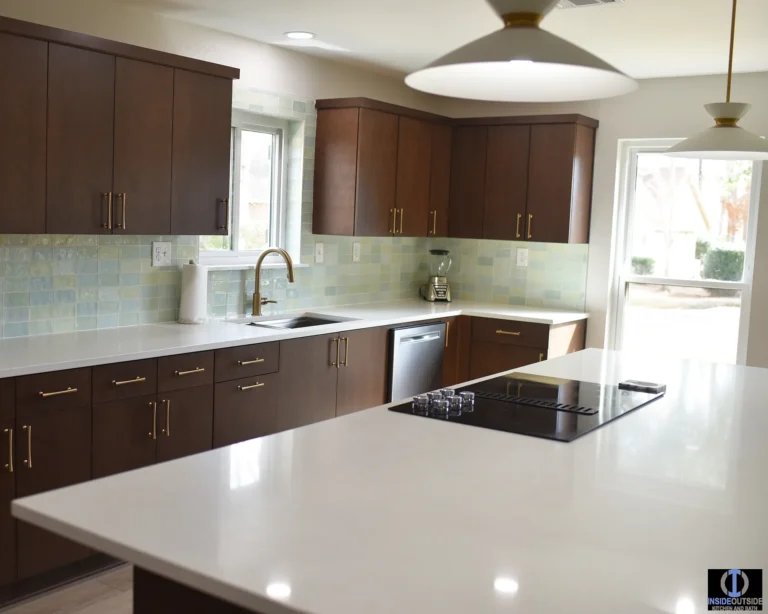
(416,360)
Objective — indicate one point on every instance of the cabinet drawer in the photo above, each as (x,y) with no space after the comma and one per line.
(244,409)
(247,361)
(124,380)
(491,358)
(54,390)
(509,332)
(184,371)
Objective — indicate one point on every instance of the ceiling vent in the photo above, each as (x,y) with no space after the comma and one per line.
(577,4)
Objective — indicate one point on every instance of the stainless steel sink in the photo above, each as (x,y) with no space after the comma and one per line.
(300,322)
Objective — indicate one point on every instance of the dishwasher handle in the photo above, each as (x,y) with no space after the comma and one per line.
(420,338)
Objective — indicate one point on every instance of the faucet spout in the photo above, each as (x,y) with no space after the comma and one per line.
(258,301)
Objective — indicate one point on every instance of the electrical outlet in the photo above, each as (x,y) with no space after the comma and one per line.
(356,252)
(319,253)
(161,253)
(522,257)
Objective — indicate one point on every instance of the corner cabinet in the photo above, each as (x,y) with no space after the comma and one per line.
(106,138)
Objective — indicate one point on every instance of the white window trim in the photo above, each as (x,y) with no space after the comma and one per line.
(235,258)
(622,276)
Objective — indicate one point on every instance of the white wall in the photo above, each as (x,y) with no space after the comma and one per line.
(661,108)
(263,67)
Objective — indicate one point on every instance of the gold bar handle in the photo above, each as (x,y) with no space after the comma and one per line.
(167,429)
(108,196)
(345,362)
(394,221)
(508,332)
(517,228)
(338,343)
(9,466)
(225,202)
(193,371)
(447,330)
(434,223)
(251,387)
(123,197)
(245,363)
(402,212)
(530,225)
(541,356)
(136,380)
(58,393)
(153,432)
(28,460)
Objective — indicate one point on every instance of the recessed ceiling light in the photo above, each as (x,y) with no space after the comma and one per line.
(300,36)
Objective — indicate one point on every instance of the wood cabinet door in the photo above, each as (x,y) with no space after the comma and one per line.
(506,182)
(308,376)
(202,132)
(23,108)
(440,180)
(456,361)
(184,422)
(143,141)
(7,481)
(125,434)
(491,358)
(560,183)
(81,109)
(468,155)
(376,174)
(333,210)
(414,146)
(245,409)
(363,370)
(53,450)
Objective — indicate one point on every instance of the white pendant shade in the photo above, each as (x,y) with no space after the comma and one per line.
(521,64)
(723,142)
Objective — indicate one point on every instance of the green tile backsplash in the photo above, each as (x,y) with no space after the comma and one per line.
(65,283)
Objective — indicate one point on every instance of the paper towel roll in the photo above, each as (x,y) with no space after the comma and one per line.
(194,294)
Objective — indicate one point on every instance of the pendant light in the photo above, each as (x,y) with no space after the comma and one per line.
(521,63)
(725,140)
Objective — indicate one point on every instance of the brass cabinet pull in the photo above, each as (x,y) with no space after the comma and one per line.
(434,222)
(394,221)
(251,387)
(123,197)
(541,356)
(167,429)
(69,390)
(195,370)
(245,363)
(530,225)
(9,466)
(28,460)
(447,330)
(517,228)
(402,212)
(153,432)
(345,362)
(507,332)
(338,343)
(108,196)
(136,380)
(225,202)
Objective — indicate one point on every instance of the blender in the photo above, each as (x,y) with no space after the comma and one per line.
(437,288)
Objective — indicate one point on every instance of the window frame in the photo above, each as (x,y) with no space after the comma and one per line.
(623,276)
(243,121)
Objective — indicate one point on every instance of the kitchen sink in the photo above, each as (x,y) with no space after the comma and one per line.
(300,322)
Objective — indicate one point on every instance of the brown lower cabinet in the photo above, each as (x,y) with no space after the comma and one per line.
(185,422)
(245,409)
(363,370)
(456,359)
(7,483)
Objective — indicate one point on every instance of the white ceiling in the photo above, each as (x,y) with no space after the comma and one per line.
(644,38)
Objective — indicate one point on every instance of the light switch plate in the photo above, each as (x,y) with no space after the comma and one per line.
(161,253)
(319,253)
(356,252)
(522,257)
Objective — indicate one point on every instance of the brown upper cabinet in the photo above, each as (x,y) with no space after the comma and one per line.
(414,151)
(440,180)
(102,137)
(468,159)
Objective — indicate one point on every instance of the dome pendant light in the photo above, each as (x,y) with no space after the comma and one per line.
(725,140)
(521,63)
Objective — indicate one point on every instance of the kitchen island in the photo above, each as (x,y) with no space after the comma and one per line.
(379,512)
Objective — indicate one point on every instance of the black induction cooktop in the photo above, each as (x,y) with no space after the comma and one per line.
(547,407)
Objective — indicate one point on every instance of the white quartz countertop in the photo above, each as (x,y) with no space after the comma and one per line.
(28,355)
(385,513)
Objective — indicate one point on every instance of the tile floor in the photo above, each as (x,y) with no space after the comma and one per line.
(107,593)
